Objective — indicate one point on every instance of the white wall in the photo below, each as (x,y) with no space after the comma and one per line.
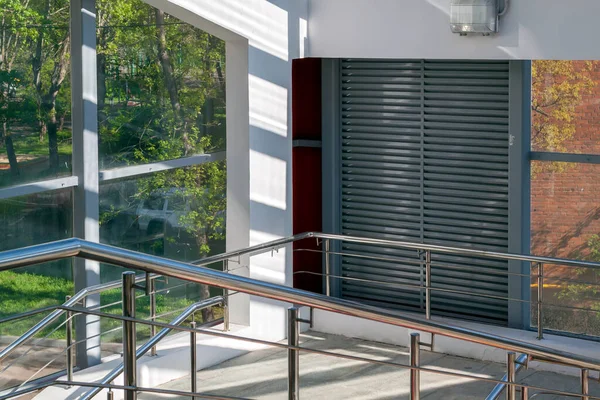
(532,29)
(263,37)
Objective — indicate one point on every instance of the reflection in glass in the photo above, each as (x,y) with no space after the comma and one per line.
(565,223)
(25,221)
(35,93)
(161,86)
(178,214)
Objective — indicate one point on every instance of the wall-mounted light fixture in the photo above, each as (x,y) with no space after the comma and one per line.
(476,17)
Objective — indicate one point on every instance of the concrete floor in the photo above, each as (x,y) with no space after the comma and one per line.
(263,375)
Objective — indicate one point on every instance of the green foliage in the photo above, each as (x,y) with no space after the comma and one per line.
(20,292)
(557,88)
(141,124)
(580,292)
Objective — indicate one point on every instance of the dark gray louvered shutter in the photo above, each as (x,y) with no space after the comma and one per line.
(425,159)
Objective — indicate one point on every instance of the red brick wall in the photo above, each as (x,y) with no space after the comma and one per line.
(565,204)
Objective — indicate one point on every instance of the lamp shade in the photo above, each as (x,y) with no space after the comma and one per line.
(474,16)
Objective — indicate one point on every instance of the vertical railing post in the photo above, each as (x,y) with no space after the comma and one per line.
(511,374)
(193,367)
(326,245)
(540,300)
(69,327)
(428,284)
(293,354)
(415,374)
(226,300)
(152,290)
(524,393)
(585,384)
(110,395)
(129,336)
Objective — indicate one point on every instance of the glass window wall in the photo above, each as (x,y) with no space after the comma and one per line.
(35,91)
(565,196)
(161,97)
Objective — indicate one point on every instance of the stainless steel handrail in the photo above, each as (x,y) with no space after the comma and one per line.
(126,258)
(276,244)
(146,347)
(82,294)
(277,345)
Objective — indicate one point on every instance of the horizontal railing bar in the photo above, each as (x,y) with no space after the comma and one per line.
(13,362)
(455,250)
(339,253)
(551,278)
(415,287)
(570,307)
(433,289)
(252,340)
(417,263)
(79,296)
(126,258)
(27,314)
(315,351)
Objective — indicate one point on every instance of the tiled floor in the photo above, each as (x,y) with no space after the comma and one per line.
(263,375)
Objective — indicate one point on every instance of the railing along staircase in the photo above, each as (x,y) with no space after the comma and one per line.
(155,267)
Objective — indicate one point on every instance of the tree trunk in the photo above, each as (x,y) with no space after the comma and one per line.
(58,76)
(42,127)
(10,152)
(168,74)
(208,117)
(52,136)
(165,63)
(36,67)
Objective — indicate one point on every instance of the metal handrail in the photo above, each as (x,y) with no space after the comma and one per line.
(152,264)
(146,347)
(510,383)
(79,296)
(130,259)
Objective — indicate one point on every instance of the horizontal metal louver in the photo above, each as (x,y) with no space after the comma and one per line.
(425,159)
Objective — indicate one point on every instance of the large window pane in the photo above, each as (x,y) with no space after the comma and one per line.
(161,86)
(565,97)
(26,221)
(565,223)
(178,214)
(35,93)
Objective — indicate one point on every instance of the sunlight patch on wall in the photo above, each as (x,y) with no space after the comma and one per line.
(262,22)
(303,35)
(268,106)
(268,266)
(268,180)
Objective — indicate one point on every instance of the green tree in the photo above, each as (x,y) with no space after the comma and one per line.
(162,96)
(15,15)
(557,88)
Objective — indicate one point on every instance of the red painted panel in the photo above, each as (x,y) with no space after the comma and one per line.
(306,170)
